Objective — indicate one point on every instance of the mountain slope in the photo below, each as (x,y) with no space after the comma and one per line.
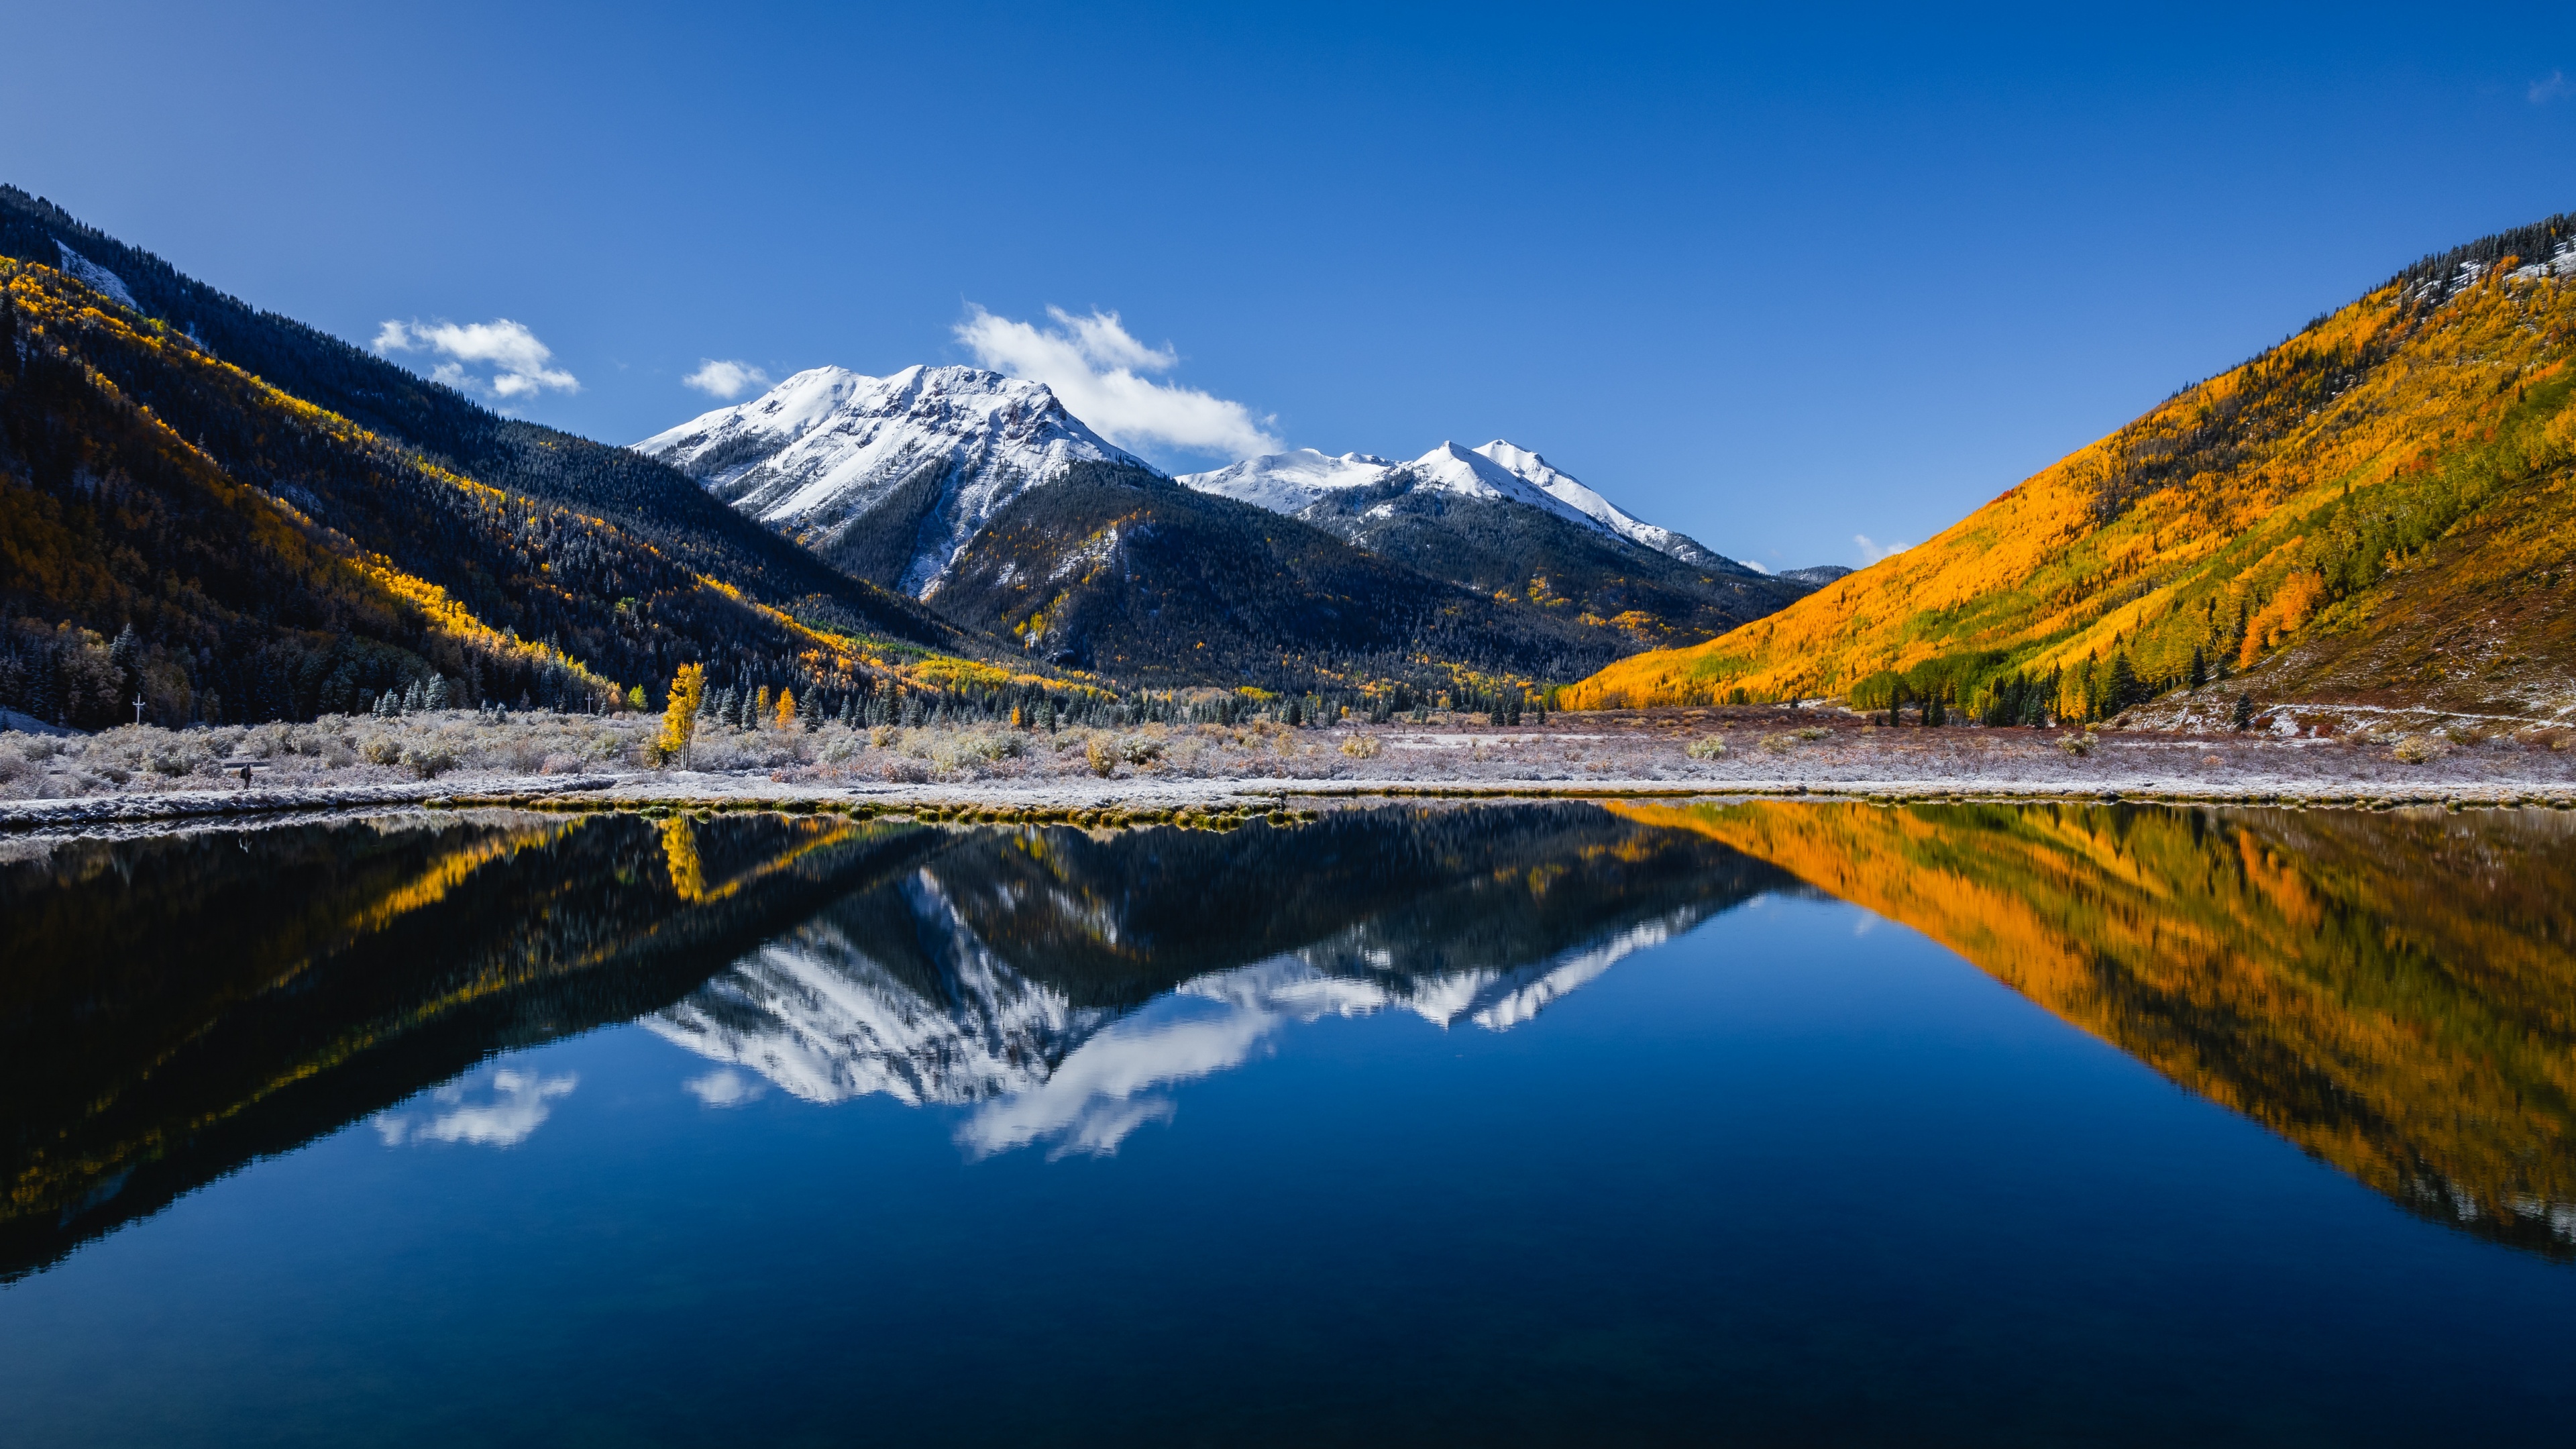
(648,501)
(2374,511)
(275,559)
(1123,571)
(887,478)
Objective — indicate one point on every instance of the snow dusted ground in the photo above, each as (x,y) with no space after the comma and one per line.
(140,774)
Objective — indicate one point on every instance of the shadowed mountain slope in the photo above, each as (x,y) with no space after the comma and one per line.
(1125,572)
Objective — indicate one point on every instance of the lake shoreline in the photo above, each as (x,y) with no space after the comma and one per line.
(1162,801)
(132,776)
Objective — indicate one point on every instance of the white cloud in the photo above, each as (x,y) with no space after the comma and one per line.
(1872,552)
(722,379)
(2544,91)
(1094,365)
(724,1087)
(499,358)
(519,1105)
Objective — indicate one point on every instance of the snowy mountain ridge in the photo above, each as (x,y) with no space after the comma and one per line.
(1499,471)
(892,478)
(889,477)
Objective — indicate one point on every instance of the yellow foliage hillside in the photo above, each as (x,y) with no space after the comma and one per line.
(2272,511)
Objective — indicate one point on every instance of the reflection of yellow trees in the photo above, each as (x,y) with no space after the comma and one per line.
(680,848)
(2397,995)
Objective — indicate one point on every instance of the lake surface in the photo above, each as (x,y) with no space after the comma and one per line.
(1537,1123)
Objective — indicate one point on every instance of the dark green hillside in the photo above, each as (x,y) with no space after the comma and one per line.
(1504,550)
(1118,570)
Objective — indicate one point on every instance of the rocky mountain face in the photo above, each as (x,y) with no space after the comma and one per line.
(889,478)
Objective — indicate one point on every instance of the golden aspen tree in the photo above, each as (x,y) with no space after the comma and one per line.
(786,716)
(680,716)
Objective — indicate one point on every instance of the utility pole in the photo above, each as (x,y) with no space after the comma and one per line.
(138,707)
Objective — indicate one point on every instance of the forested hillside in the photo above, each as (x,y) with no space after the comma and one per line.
(652,503)
(178,529)
(1127,573)
(2376,511)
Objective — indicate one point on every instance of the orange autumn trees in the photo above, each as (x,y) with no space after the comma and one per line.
(2290,515)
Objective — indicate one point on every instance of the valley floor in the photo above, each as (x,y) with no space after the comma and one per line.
(143,773)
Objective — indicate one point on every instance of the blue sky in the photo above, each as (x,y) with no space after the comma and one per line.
(1784,283)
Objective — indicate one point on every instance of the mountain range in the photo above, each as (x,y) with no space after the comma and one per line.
(2377,512)
(985,497)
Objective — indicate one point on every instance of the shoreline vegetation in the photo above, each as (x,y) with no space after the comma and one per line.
(1212,774)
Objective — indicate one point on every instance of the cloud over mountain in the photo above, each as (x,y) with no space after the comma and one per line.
(1097,368)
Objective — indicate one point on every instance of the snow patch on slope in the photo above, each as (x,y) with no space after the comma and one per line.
(97,278)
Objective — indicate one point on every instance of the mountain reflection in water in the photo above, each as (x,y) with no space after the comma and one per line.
(2394,993)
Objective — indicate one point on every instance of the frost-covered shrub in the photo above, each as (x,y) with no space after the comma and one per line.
(428,759)
(1363,747)
(1706,747)
(380,750)
(2419,749)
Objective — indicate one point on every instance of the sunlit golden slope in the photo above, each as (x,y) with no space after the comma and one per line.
(2395,994)
(2294,503)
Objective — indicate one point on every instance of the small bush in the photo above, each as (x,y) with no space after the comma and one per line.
(429,759)
(1776,744)
(2081,745)
(380,750)
(1813,732)
(1706,747)
(2419,749)
(1362,747)
(1097,753)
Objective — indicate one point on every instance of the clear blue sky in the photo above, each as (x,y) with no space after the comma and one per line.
(1777,282)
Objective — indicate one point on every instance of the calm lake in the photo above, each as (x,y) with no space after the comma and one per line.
(1555,1123)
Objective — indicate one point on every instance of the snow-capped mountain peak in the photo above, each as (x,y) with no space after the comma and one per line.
(1499,471)
(919,460)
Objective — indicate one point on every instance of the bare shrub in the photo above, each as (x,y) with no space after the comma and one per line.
(429,759)
(1101,756)
(380,750)
(2420,749)
(1706,747)
(2081,745)
(1362,747)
